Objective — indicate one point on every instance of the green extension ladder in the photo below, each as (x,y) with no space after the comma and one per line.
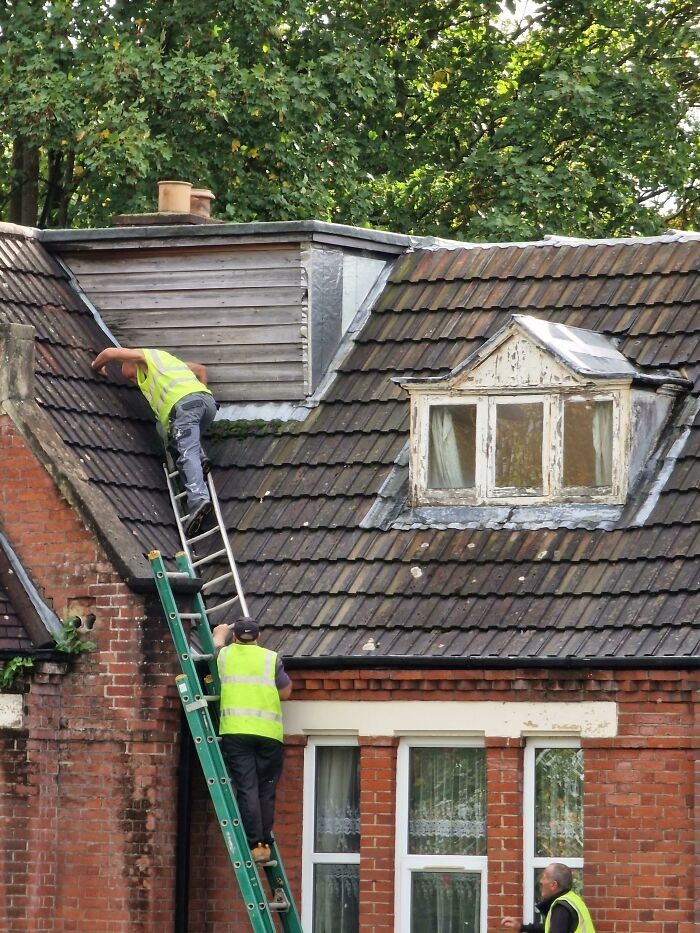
(197,698)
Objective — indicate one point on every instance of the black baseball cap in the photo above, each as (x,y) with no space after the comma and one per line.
(246,629)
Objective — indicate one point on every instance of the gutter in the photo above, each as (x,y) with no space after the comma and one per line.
(569,663)
(36,654)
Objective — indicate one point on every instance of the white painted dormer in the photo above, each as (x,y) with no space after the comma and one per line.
(541,413)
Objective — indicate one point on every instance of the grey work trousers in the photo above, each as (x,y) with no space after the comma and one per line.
(189,419)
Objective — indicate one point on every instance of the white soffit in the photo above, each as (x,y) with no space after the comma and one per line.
(438,718)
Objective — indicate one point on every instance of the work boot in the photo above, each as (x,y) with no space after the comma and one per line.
(198,512)
(261,853)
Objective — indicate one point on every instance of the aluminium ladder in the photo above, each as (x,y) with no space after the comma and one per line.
(199,695)
(214,535)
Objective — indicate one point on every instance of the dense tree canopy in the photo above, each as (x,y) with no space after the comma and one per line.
(471,119)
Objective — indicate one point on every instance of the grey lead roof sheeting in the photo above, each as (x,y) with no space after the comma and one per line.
(296,499)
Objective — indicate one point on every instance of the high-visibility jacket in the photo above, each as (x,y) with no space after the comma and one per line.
(250,701)
(585,924)
(165,381)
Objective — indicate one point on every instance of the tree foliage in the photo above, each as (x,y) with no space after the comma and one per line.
(462,118)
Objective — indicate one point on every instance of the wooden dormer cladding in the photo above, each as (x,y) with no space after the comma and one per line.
(265,311)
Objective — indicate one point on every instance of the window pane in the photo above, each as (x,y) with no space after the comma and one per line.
(559,803)
(588,443)
(519,446)
(445,902)
(337,818)
(452,455)
(447,801)
(336,898)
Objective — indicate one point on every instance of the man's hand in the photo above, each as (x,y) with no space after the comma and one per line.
(220,635)
(510,923)
(116,355)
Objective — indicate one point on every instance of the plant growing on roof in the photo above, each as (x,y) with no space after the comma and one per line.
(13,669)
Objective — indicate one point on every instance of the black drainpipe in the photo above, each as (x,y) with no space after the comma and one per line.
(184,822)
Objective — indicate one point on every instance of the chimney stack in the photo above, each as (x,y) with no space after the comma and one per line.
(178,203)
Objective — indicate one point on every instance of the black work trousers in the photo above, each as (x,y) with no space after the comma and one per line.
(255,765)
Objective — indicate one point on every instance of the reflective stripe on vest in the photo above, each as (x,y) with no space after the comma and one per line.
(585,924)
(250,702)
(166,380)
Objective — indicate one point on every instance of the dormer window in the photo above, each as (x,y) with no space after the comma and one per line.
(542,413)
(500,446)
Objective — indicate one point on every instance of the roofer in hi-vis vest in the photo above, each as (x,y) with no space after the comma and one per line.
(563,910)
(253,682)
(184,407)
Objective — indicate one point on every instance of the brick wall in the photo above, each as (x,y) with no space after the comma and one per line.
(88,788)
(640,796)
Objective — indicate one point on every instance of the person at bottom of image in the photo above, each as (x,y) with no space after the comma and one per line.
(563,911)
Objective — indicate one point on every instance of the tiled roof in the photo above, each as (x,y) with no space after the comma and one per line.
(26,622)
(326,579)
(325,585)
(13,635)
(107,425)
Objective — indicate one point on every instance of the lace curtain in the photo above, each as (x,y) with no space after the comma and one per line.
(559,803)
(337,824)
(447,801)
(336,898)
(443,902)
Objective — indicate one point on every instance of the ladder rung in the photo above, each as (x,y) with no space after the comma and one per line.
(173,474)
(205,534)
(280,901)
(212,697)
(210,583)
(209,558)
(228,602)
(190,615)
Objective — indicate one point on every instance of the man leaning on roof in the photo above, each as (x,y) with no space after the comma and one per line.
(184,407)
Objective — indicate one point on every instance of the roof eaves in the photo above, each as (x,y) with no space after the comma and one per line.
(18,401)
(40,622)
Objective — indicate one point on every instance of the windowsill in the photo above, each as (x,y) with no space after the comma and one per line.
(580,515)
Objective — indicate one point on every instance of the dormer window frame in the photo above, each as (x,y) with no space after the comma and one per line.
(485,491)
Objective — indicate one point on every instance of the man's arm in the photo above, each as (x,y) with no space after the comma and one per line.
(117,355)
(199,370)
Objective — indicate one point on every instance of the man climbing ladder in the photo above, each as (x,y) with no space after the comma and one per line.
(184,406)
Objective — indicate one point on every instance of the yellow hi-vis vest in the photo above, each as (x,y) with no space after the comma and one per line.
(166,380)
(250,701)
(585,924)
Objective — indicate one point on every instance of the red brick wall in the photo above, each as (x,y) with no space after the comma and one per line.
(640,795)
(88,789)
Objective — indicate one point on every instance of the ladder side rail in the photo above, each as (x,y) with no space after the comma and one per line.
(174,501)
(227,545)
(202,627)
(277,879)
(227,813)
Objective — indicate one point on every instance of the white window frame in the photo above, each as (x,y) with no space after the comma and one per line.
(310,858)
(485,491)
(406,863)
(530,861)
